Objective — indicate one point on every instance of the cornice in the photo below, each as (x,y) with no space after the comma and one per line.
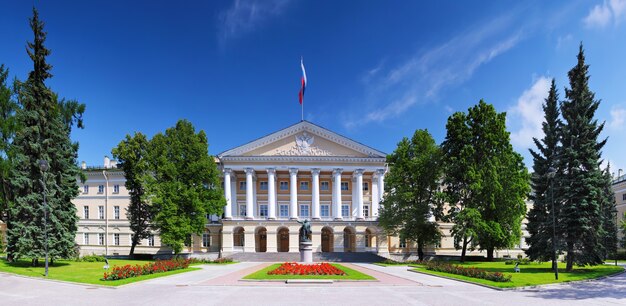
(343,159)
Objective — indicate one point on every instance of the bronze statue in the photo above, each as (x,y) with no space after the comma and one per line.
(305,230)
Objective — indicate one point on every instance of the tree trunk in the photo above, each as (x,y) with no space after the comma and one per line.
(464,249)
(420,250)
(34,262)
(489,254)
(131,254)
(570,257)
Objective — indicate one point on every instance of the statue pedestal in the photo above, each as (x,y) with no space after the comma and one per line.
(306,251)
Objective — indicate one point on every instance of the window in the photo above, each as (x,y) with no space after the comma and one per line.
(304,185)
(101,212)
(86,212)
(402,242)
(242,185)
(116,212)
(263,185)
(284,185)
(116,239)
(325,210)
(86,189)
(242,210)
(284,210)
(345,210)
(100,239)
(116,188)
(206,240)
(151,240)
(366,186)
(324,185)
(304,210)
(344,186)
(263,210)
(100,188)
(366,211)
(86,238)
(624,197)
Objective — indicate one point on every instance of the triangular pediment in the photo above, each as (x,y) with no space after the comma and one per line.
(304,139)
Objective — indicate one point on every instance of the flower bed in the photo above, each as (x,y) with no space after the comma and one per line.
(292,268)
(469,272)
(127,271)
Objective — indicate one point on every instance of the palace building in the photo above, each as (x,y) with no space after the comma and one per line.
(301,172)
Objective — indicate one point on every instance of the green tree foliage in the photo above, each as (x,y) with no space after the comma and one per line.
(43,135)
(540,217)
(483,173)
(412,191)
(609,215)
(133,158)
(8,126)
(185,187)
(579,178)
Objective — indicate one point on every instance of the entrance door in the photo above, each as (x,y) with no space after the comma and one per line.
(327,240)
(261,240)
(349,240)
(283,240)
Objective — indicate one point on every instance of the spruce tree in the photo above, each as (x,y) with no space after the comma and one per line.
(7,130)
(540,217)
(580,179)
(609,215)
(44,134)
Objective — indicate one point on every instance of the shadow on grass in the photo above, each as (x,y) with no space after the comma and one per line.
(612,288)
(28,264)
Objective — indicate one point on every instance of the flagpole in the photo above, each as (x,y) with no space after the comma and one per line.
(302,108)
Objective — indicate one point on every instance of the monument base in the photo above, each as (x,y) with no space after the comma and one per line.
(306,251)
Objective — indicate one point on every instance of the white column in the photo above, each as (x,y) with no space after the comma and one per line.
(375,195)
(359,193)
(249,193)
(271,193)
(337,194)
(381,189)
(293,198)
(227,194)
(315,196)
(233,196)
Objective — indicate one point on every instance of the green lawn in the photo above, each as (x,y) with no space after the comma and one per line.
(81,272)
(350,274)
(531,275)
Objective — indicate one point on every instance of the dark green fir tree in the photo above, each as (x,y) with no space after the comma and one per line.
(44,135)
(541,217)
(580,179)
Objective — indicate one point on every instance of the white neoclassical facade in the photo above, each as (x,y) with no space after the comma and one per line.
(302,172)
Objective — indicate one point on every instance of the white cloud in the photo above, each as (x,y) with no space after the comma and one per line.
(602,15)
(247,15)
(618,117)
(562,40)
(528,114)
(421,77)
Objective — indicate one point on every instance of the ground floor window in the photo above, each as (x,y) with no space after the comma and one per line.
(263,210)
(239,237)
(325,211)
(366,211)
(116,239)
(304,210)
(151,240)
(345,210)
(284,211)
(86,238)
(402,242)
(206,240)
(242,210)
(100,239)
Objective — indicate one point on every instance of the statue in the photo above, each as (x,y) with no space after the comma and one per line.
(305,230)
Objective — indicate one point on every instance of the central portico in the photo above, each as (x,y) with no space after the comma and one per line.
(302,172)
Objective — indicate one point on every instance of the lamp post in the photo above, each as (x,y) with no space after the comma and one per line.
(551,173)
(43,166)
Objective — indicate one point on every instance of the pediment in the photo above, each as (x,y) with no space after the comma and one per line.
(304,139)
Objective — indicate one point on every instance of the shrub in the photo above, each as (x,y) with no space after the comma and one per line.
(509,262)
(127,271)
(91,258)
(208,261)
(467,271)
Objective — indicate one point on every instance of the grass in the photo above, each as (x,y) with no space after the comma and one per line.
(351,274)
(81,272)
(531,275)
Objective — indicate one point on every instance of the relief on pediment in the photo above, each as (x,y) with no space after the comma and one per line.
(304,144)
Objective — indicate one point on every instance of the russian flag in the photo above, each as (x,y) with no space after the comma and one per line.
(301,94)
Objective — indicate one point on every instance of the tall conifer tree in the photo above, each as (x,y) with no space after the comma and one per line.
(44,134)
(540,217)
(580,179)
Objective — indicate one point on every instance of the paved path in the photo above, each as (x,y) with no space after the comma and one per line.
(200,288)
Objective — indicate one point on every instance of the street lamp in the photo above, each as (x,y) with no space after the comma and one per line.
(43,166)
(551,173)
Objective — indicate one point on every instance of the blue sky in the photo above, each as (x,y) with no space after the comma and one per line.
(377,70)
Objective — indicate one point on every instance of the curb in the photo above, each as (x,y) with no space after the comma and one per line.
(61,281)
(524,287)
